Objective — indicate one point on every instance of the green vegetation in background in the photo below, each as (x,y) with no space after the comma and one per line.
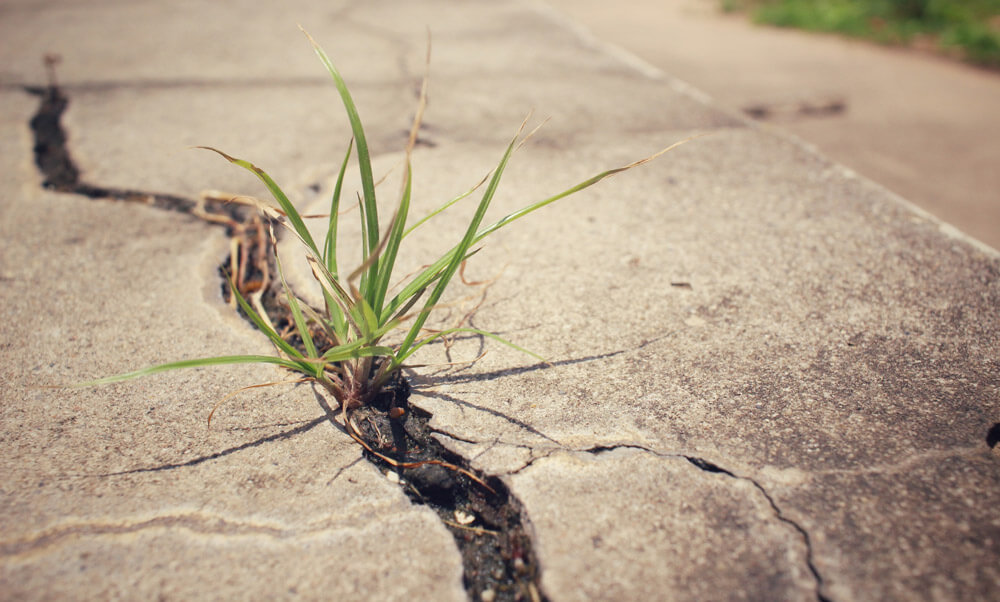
(968,28)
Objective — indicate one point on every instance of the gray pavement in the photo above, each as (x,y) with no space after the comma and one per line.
(924,126)
(769,379)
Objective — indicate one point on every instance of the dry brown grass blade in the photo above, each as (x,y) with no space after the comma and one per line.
(461,275)
(422,103)
(355,433)
(477,530)
(243,199)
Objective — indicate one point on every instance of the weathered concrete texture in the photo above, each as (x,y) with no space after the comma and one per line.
(904,113)
(122,491)
(742,302)
(767,312)
(704,536)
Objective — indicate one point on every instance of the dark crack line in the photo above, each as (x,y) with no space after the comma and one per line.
(456,437)
(60,173)
(705,465)
(810,560)
(535,459)
(498,560)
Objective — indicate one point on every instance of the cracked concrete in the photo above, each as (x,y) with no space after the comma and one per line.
(713,538)
(743,301)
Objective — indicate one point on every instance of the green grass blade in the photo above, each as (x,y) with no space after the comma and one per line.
(290,211)
(301,324)
(433,271)
(259,322)
(458,254)
(337,319)
(370,223)
(365,318)
(405,299)
(329,283)
(582,185)
(445,206)
(364,351)
(330,244)
(197,363)
(387,260)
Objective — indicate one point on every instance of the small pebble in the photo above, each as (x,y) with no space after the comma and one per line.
(488,595)
(464,518)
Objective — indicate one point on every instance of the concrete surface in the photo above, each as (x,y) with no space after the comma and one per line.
(924,126)
(770,379)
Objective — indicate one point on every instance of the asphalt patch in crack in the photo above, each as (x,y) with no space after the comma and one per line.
(487,522)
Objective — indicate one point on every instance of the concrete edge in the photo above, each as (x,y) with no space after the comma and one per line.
(648,70)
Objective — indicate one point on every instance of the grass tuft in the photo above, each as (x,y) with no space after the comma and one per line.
(353,362)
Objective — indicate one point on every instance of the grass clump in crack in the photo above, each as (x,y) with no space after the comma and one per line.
(363,335)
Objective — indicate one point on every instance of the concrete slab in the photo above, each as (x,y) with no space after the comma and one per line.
(713,538)
(743,319)
(122,491)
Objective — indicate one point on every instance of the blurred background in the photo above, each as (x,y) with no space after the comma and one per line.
(904,92)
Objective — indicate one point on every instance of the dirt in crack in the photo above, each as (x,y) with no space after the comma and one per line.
(485,519)
(60,173)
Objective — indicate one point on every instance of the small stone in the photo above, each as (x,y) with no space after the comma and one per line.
(488,595)
(464,518)
(519,565)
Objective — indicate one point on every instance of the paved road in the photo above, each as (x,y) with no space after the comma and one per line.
(925,127)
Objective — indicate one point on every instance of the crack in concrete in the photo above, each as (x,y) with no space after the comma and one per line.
(59,173)
(507,553)
(194,523)
(909,462)
(534,459)
(707,466)
(710,467)
(700,463)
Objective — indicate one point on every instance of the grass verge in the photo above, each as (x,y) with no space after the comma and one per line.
(966,29)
